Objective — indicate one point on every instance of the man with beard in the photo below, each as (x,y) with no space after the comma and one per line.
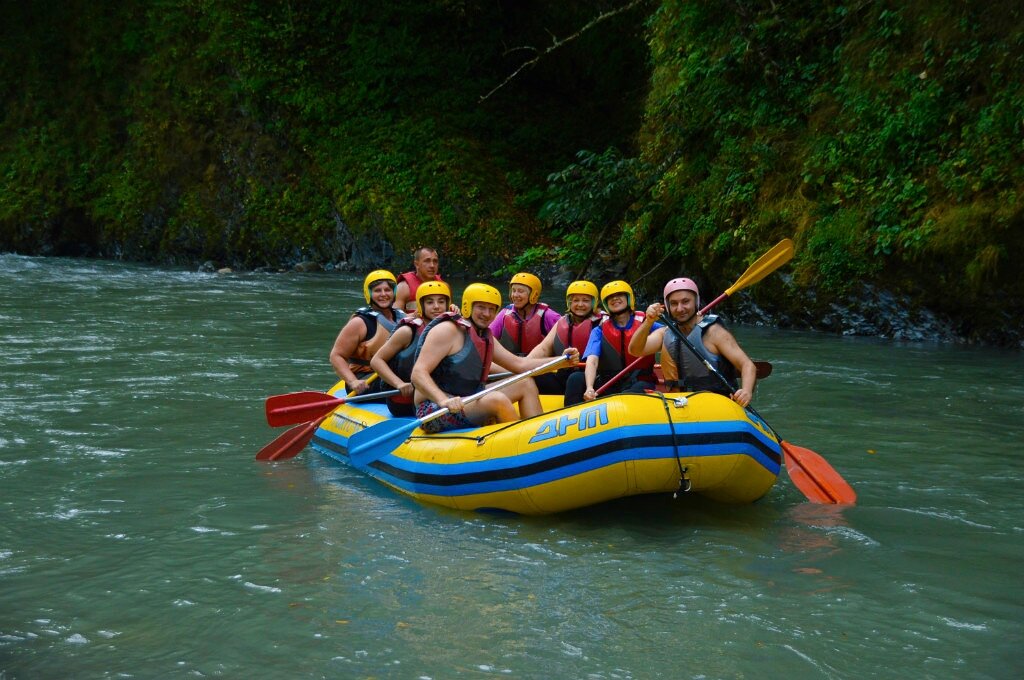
(707,334)
(425,265)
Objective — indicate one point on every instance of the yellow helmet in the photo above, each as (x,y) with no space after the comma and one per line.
(479,292)
(531,282)
(581,288)
(431,288)
(609,289)
(377,276)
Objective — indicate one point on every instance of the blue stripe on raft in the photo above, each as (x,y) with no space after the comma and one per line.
(569,458)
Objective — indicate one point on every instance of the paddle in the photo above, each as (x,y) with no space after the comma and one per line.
(301,407)
(808,470)
(289,443)
(376,441)
(780,254)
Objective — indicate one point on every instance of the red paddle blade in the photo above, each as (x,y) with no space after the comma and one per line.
(289,444)
(813,475)
(299,407)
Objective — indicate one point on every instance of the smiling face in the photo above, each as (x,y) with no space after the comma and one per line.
(617,303)
(682,305)
(426,264)
(520,295)
(382,294)
(434,305)
(482,314)
(581,305)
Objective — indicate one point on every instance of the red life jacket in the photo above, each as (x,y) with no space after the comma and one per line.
(413,281)
(519,335)
(614,353)
(573,333)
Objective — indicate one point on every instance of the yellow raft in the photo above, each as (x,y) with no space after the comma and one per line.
(567,458)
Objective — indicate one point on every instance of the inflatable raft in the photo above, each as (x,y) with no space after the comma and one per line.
(568,458)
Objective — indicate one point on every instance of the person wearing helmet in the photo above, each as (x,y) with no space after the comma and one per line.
(572,330)
(366,331)
(523,324)
(607,351)
(424,268)
(453,360)
(393,362)
(708,336)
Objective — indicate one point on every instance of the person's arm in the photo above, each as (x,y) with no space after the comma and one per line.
(401,294)
(518,364)
(345,345)
(398,341)
(438,344)
(590,375)
(647,339)
(551,318)
(721,342)
(592,356)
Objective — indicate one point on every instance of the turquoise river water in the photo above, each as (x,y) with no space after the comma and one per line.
(139,538)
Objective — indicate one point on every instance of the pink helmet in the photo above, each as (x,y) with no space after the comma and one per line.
(681,283)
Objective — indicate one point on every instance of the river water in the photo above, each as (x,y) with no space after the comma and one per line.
(140,539)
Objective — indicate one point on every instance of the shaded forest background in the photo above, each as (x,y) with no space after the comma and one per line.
(885,138)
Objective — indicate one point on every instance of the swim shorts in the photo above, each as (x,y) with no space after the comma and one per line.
(449,421)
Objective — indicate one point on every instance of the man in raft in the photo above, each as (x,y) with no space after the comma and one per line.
(607,355)
(366,331)
(708,336)
(425,264)
(454,358)
(572,330)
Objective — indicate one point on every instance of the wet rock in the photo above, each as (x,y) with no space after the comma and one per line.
(307,266)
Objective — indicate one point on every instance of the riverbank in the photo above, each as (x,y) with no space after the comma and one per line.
(869,310)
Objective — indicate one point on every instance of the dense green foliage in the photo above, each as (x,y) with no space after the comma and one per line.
(249,132)
(887,138)
(686,136)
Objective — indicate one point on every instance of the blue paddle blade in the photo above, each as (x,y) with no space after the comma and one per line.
(377,441)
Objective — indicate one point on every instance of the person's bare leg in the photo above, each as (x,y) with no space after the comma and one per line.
(526,395)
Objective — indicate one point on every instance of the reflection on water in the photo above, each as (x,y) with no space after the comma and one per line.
(140,538)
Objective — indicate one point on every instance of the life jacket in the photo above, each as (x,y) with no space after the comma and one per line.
(519,335)
(693,374)
(572,333)
(465,372)
(413,281)
(614,353)
(378,330)
(401,363)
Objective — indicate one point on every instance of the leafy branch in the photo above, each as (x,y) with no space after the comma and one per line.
(556,43)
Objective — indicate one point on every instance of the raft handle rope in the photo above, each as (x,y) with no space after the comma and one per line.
(680,402)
